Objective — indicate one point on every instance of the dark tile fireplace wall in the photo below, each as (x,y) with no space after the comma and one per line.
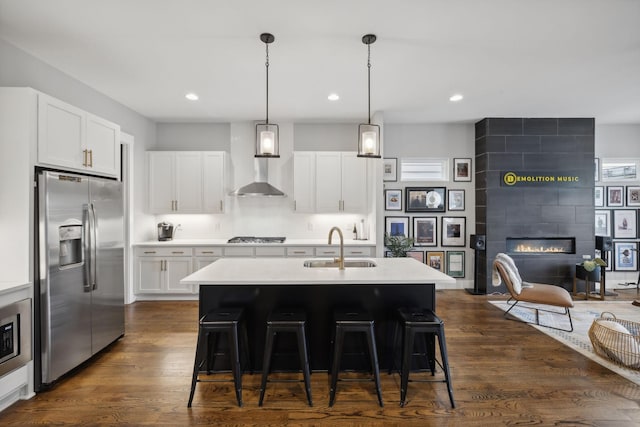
(553,145)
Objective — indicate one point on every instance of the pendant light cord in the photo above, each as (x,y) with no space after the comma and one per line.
(266,64)
(369,80)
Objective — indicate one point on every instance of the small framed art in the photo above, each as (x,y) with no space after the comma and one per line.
(598,196)
(425,199)
(462,169)
(626,257)
(596,163)
(603,223)
(435,259)
(615,196)
(425,231)
(390,169)
(453,231)
(393,200)
(633,195)
(625,224)
(455,263)
(456,200)
(397,225)
(419,255)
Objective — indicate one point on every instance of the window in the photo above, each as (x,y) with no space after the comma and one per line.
(423,169)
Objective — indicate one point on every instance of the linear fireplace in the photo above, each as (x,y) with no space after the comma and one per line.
(541,245)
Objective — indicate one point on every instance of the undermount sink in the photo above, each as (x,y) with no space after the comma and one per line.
(329,263)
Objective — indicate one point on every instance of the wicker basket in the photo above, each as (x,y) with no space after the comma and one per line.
(619,347)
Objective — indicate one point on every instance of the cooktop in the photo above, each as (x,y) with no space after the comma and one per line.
(253,239)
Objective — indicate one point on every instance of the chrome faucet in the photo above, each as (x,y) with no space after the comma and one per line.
(341,259)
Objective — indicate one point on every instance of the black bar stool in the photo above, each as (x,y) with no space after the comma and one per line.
(222,320)
(421,321)
(346,321)
(292,321)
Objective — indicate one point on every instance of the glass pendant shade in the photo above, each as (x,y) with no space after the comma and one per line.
(267,140)
(369,141)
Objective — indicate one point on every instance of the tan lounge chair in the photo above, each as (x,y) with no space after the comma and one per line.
(535,293)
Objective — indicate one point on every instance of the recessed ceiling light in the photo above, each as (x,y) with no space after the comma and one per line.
(455,98)
(333,97)
(192,96)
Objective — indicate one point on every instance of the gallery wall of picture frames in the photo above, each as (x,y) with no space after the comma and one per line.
(426,220)
(617,216)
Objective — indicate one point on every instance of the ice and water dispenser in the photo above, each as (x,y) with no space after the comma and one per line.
(70,245)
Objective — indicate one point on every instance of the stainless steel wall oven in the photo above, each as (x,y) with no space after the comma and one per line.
(15,335)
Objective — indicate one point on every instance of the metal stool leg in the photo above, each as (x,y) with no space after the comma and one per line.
(196,365)
(373,354)
(304,361)
(235,363)
(407,350)
(445,364)
(266,364)
(335,366)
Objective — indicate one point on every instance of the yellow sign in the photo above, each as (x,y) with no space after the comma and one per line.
(533,178)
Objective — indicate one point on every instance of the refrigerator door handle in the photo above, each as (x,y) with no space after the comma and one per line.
(87,248)
(93,247)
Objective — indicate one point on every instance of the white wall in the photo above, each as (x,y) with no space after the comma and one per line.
(23,70)
(435,141)
(618,141)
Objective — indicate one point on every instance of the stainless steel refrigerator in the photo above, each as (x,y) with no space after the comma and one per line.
(80,258)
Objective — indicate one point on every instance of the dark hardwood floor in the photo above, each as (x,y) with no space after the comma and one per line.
(503,372)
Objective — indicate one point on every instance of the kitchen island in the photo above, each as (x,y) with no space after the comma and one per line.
(261,284)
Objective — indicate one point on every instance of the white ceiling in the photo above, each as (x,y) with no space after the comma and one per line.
(510,58)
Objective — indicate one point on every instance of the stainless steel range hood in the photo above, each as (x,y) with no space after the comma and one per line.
(259,187)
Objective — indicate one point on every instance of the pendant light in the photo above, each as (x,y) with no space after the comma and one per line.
(267,143)
(369,134)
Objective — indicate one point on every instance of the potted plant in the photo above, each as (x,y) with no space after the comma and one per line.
(398,245)
(590,269)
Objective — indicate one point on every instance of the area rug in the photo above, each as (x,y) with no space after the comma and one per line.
(583,314)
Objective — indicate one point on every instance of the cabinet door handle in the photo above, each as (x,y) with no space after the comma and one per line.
(90,158)
(84,157)
(149,252)
(357,252)
(207,252)
(299,252)
(295,206)
(177,252)
(176,205)
(221,206)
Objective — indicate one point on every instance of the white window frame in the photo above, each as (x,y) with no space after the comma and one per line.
(420,169)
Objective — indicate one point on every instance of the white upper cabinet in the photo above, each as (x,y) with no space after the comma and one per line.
(329,182)
(304,181)
(186,182)
(213,164)
(71,138)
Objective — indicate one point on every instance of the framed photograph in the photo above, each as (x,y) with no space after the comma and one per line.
(633,195)
(435,260)
(456,200)
(625,224)
(425,199)
(397,225)
(596,162)
(598,196)
(425,231)
(462,169)
(388,254)
(393,200)
(389,169)
(615,196)
(454,230)
(603,223)
(609,260)
(626,256)
(455,263)
(419,255)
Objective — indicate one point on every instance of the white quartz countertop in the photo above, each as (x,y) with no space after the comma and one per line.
(223,242)
(291,271)
(6,287)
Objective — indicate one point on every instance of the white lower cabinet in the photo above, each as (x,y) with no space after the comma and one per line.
(159,270)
